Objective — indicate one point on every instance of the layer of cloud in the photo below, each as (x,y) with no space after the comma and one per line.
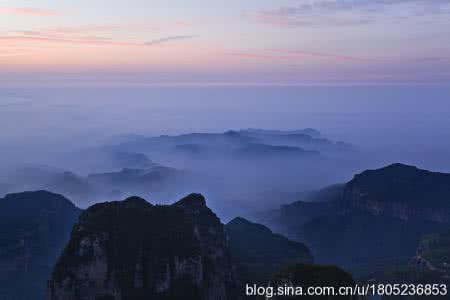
(13,54)
(69,40)
(27,11)
(48,37)
(168,39)
(108,28)
(347,12)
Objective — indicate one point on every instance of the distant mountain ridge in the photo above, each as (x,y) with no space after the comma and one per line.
(86,190)
(168,166)
(307,131)
(306,139)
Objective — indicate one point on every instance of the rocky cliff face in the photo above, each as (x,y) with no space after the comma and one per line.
(400,191)
(131,250)
(377,216)
(34,229)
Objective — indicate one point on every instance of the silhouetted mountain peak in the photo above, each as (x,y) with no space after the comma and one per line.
(29,195)
(307,131)
(141,251)
(406,186)
(33,200)
(192,201)
(239,221)
(134,200)
(393,170)
(400,166)
(232,133)
(241,224)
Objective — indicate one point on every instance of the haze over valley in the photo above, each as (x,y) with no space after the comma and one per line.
(72,134)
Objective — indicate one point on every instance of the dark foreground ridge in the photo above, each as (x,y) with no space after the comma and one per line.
(35,226)
(131,250)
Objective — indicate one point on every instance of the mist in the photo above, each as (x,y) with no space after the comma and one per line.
(78,140)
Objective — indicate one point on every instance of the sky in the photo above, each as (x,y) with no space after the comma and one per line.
(234,42)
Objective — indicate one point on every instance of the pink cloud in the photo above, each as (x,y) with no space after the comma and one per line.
(90,40)
(96,32)
(33,36)
(29,11)
(13,54)
(103,28)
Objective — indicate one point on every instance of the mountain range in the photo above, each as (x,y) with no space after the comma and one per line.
(232,142)
(232,167)
(384,225)
(133,250)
